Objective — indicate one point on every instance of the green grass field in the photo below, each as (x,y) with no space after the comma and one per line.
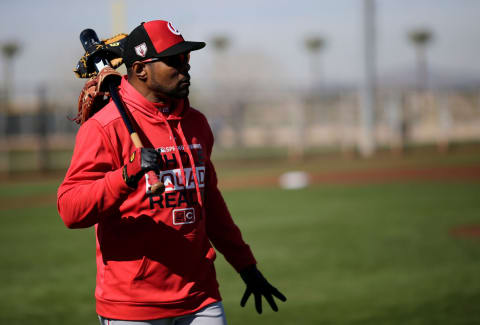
(342,254)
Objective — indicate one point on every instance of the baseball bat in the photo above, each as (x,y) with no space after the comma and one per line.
(89,38)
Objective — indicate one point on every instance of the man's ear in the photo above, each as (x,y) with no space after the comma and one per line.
(139,69)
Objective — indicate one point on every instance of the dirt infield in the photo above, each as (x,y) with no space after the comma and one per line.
(349,177)
(471,231)
(369,176)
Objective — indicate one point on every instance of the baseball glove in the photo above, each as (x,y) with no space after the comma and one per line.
(94,95)
(112,49)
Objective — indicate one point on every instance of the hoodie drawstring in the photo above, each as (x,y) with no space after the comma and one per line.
(187,149)
(176,152)
(178,157)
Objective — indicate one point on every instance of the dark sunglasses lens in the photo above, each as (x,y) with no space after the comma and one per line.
(177,60)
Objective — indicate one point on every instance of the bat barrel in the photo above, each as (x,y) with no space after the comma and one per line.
(88,38)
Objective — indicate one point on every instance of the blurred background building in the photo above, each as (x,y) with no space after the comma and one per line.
(351,77)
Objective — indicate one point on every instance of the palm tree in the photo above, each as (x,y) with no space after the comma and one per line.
(9,51)
(220,43)
(315,45)
(420,38)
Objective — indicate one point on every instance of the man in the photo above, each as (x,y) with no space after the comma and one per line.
(154,253)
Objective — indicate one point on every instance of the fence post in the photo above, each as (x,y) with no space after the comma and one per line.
(42,130)
(4,147)
(394,110)
(445,122)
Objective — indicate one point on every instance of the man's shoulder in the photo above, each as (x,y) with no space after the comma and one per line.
(107,114)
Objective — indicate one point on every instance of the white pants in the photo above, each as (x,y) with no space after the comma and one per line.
(212,314)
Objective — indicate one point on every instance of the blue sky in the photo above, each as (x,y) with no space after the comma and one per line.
(267,36)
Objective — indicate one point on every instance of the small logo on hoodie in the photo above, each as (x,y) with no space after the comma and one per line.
(183,216)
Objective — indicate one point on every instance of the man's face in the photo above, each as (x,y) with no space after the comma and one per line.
(169,76)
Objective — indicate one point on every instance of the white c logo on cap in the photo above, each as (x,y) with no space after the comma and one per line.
(173,29)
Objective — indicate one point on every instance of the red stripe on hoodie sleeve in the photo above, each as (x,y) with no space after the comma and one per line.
(93,185)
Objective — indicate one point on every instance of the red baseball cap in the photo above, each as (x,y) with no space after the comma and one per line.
(156,39)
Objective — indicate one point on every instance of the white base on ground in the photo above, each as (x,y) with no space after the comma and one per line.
(294,180)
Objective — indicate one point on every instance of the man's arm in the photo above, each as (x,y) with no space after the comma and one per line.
(227,238)
(93,184)
(98,181)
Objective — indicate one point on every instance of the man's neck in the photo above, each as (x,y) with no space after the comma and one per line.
(148,94)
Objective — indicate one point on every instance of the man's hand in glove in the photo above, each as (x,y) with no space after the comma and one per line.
(259,286)
(141,161)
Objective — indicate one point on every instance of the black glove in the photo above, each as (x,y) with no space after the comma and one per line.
(141,161)
(259,286)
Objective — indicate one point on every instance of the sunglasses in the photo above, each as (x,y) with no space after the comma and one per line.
(174,61)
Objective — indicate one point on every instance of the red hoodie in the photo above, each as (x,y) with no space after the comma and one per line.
(154,257)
